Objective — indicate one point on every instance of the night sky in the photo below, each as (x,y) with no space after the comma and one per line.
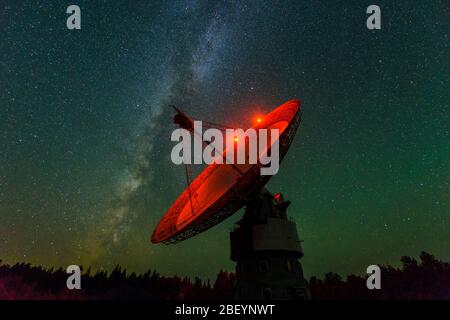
(85,171)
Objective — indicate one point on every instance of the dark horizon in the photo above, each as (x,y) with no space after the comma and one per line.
(424,279)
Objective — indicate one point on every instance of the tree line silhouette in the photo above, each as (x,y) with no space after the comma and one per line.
(429,279)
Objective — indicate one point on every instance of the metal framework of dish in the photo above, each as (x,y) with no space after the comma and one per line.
(220,190)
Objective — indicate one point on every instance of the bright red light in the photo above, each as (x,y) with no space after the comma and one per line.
(277,196)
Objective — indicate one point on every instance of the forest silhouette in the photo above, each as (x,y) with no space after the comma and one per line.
(414,280)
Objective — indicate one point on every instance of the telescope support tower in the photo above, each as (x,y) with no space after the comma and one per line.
(266,249)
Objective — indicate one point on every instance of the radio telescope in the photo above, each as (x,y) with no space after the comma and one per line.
(264,243)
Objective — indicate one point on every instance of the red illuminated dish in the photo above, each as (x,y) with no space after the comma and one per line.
(221,189)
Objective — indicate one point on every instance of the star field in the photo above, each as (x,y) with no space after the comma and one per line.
(85,171)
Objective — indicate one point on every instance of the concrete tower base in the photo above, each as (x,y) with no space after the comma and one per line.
(266,248)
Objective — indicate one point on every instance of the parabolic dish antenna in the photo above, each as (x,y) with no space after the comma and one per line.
(222,189)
